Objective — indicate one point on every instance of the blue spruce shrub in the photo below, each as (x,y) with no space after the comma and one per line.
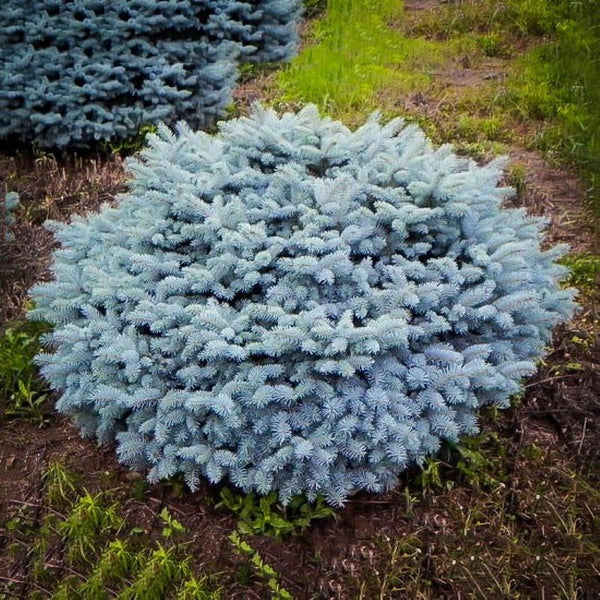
(11,203)
(297,306)
(79,71)
(271,32)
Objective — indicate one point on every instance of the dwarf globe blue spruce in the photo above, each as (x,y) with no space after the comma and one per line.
(296,306)
(81,71)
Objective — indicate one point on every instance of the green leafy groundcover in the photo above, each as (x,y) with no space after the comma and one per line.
(295,306)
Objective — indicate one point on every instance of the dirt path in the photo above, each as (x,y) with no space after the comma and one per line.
(556,193)
(550,191)
(412,6)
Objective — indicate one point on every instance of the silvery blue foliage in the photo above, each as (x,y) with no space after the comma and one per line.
(271,29)
(297,306)
(78,71)
(11,202)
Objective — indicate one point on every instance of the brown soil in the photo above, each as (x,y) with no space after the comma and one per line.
(49,188)
(553,192)
(419,5)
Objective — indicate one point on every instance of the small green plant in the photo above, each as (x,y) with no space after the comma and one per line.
(116,563)
(40,572)
(263,515)
(429,479)
(22,391)
(516,177)
(197,589)
(172,527)
(15,524)
(585,271)
(266,572)
(475,464)
(59,485)
(129,145)
(88,522)
(139,489)
(27,404)
(67,590)
(160,571)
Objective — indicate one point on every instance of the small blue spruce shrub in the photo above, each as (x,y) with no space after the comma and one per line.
(80,71)
(296,306)
(11,202)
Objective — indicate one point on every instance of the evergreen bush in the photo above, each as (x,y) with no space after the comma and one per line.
(272,29)
(79,71)
(297,306)
(8,206)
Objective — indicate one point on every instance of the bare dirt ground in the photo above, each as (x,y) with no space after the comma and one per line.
(54,188)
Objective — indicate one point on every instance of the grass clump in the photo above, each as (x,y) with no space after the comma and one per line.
(357,58)
(22,391)
(489,18)
(161,570)
(559,82)
(472,128)
(197,589)
(116,563)
(60,485)
(89,521)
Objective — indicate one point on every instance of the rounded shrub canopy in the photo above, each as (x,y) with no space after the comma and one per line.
(296,306)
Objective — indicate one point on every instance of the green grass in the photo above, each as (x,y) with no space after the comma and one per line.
(554,86)
(559,82)
(490,18)
(358,60)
